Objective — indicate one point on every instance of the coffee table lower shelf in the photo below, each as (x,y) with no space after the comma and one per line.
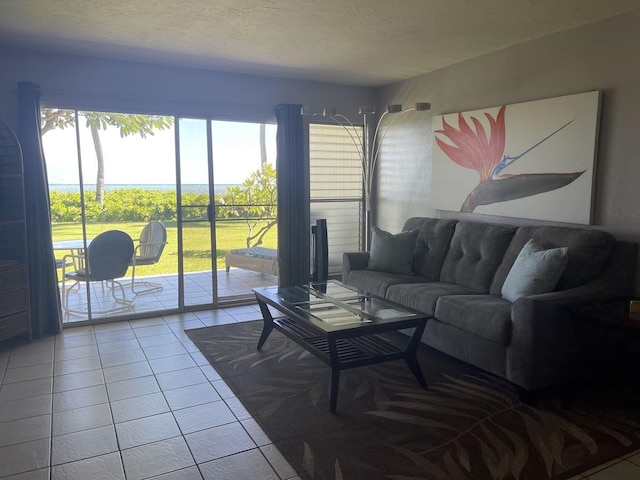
(351,352)
(346,349)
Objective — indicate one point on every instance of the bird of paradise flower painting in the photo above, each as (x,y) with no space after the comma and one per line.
(517,155)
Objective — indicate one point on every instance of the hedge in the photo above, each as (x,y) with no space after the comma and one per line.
(126,205)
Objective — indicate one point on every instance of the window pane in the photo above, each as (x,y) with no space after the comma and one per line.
(335,165)
(336,186)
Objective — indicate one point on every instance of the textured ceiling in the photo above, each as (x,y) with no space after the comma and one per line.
(358,42)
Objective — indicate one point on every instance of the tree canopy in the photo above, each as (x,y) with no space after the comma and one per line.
(255,201)
(128,124)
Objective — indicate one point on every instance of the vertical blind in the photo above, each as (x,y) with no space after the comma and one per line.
(335,172)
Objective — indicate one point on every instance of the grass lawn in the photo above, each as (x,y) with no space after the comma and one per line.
(196,240)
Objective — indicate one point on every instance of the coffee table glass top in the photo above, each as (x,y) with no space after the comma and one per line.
(334,304)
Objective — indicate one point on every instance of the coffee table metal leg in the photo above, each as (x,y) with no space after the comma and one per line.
(335,374)
(267,325)
(411,355)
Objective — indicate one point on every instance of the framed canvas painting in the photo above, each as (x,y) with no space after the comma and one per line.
(528,160)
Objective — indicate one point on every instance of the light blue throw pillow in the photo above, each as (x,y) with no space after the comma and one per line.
(392,253)
(535,271)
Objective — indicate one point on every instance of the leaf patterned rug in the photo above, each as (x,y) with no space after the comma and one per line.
(466,425)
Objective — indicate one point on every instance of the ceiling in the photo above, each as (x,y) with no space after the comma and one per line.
(353,42)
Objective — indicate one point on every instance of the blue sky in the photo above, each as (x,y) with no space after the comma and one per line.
(133,160)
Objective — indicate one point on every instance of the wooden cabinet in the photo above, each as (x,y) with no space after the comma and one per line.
(15,315)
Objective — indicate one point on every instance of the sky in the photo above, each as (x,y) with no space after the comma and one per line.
(134,160)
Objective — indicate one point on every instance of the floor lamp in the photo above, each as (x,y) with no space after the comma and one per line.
(367,146)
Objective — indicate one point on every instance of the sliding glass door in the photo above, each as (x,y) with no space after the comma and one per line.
(210,184)
(244,156)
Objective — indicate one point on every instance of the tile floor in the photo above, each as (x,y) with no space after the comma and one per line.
(128,400)
(136,400)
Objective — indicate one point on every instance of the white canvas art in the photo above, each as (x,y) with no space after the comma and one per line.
(529,160)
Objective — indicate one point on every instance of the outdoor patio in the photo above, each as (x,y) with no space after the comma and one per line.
(231,286)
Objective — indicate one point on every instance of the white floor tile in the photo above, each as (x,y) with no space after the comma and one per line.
(25,430)
(24,457)
(127,371)
(191,473)
(132,388)
(74,381)
(156,340)
(138,407)
(145,430)
(82,397)
(162,351)
(180,378)
(200,417)
(83,444)
(277,461)
(156,458)
(28,389)
(218,442)
(77,365)
(122,358)
(85,418)
(172,363)
(241,466)
(191,395)
(41,474)
(24,408)
(23,374)
(27,359)
(102,467)
(76,352)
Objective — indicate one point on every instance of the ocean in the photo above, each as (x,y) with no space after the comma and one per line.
(218,189)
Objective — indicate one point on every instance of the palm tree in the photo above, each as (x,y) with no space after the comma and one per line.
(263,144)
(128,124)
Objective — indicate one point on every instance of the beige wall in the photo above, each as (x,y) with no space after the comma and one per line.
(92,83)
(602,56)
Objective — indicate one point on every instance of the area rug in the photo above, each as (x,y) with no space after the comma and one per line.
(466,425)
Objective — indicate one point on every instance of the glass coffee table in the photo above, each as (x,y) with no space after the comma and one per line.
(340,326)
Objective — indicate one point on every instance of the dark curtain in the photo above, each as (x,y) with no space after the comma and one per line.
(46,313)
(293,197)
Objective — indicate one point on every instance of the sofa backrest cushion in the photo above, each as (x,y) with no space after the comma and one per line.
(475,253)
(432,244)
(588,252)
(392,253)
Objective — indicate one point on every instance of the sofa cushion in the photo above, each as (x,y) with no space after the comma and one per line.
(487,316)
(536,270)
(475,253)
(423,296)
(392,253)
(432,244)
(467,347)
(588,252)
(378,282)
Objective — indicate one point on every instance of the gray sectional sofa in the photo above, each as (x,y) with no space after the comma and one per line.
(457,276)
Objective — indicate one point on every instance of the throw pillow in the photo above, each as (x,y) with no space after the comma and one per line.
(392,253)
(535,271)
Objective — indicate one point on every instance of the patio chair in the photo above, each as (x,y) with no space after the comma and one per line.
(151,243)
(107,259)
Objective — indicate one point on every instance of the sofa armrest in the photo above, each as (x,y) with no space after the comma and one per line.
(543,349)
(591,292)
(353,261)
